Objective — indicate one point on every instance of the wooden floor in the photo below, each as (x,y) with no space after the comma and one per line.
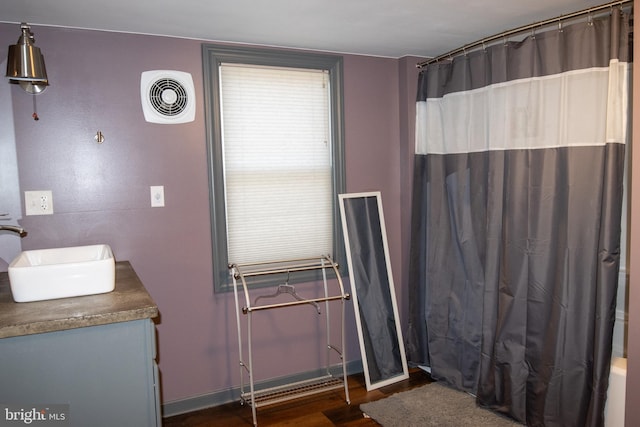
(324,409)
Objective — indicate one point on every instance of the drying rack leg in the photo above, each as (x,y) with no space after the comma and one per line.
(342,356)
(251,385)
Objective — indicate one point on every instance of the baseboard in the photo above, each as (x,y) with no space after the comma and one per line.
(221,397)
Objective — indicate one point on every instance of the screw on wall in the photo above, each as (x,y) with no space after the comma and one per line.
(99,138)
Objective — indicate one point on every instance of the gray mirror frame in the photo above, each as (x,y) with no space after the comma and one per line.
(374,292)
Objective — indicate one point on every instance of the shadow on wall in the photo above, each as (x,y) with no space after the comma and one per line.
(10,209)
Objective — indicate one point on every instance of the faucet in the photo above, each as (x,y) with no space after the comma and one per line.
(18,230)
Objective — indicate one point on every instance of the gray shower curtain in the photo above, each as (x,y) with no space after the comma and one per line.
(517,199)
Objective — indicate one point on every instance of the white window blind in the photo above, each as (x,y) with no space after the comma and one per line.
(277,162)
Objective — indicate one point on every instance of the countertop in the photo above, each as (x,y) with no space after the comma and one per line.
(128,301)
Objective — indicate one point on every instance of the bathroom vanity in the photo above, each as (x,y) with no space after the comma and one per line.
(96,354)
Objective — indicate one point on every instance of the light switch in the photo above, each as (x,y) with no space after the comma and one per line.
(157,196)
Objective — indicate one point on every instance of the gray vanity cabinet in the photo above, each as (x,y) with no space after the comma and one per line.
(95,353)
(107,374)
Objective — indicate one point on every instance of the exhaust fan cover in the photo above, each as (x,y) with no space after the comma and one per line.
(167,96)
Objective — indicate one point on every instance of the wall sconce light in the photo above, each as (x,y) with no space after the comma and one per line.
(25,63)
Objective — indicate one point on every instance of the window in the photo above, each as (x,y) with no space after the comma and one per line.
(275,153)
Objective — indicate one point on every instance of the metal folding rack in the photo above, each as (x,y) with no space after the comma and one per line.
(242,275)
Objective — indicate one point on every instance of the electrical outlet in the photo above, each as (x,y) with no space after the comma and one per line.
(38,202)
(157,196)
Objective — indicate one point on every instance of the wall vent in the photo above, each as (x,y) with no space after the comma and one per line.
(167,96)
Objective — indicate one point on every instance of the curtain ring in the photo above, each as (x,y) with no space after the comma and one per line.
(560,29)
(590,19)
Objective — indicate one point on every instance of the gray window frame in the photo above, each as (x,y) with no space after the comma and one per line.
(212,56)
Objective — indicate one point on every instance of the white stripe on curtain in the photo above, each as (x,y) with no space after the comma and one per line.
(523,114)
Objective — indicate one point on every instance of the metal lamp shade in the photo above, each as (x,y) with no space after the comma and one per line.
(25,63)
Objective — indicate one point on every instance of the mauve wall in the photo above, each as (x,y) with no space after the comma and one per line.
(101,192)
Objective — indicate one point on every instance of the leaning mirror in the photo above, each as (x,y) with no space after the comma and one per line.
(381,344)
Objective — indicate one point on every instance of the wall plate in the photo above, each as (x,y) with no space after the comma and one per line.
(157,196)
(38,202)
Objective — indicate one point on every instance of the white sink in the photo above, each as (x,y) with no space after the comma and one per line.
(62,273)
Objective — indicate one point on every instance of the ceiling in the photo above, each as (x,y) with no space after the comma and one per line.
(389,28)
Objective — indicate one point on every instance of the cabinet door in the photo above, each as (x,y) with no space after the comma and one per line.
(104,373)
(154,402)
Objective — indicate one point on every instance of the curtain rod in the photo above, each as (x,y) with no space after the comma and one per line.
(522,29)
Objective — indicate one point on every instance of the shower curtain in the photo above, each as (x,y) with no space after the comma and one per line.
(517,200)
